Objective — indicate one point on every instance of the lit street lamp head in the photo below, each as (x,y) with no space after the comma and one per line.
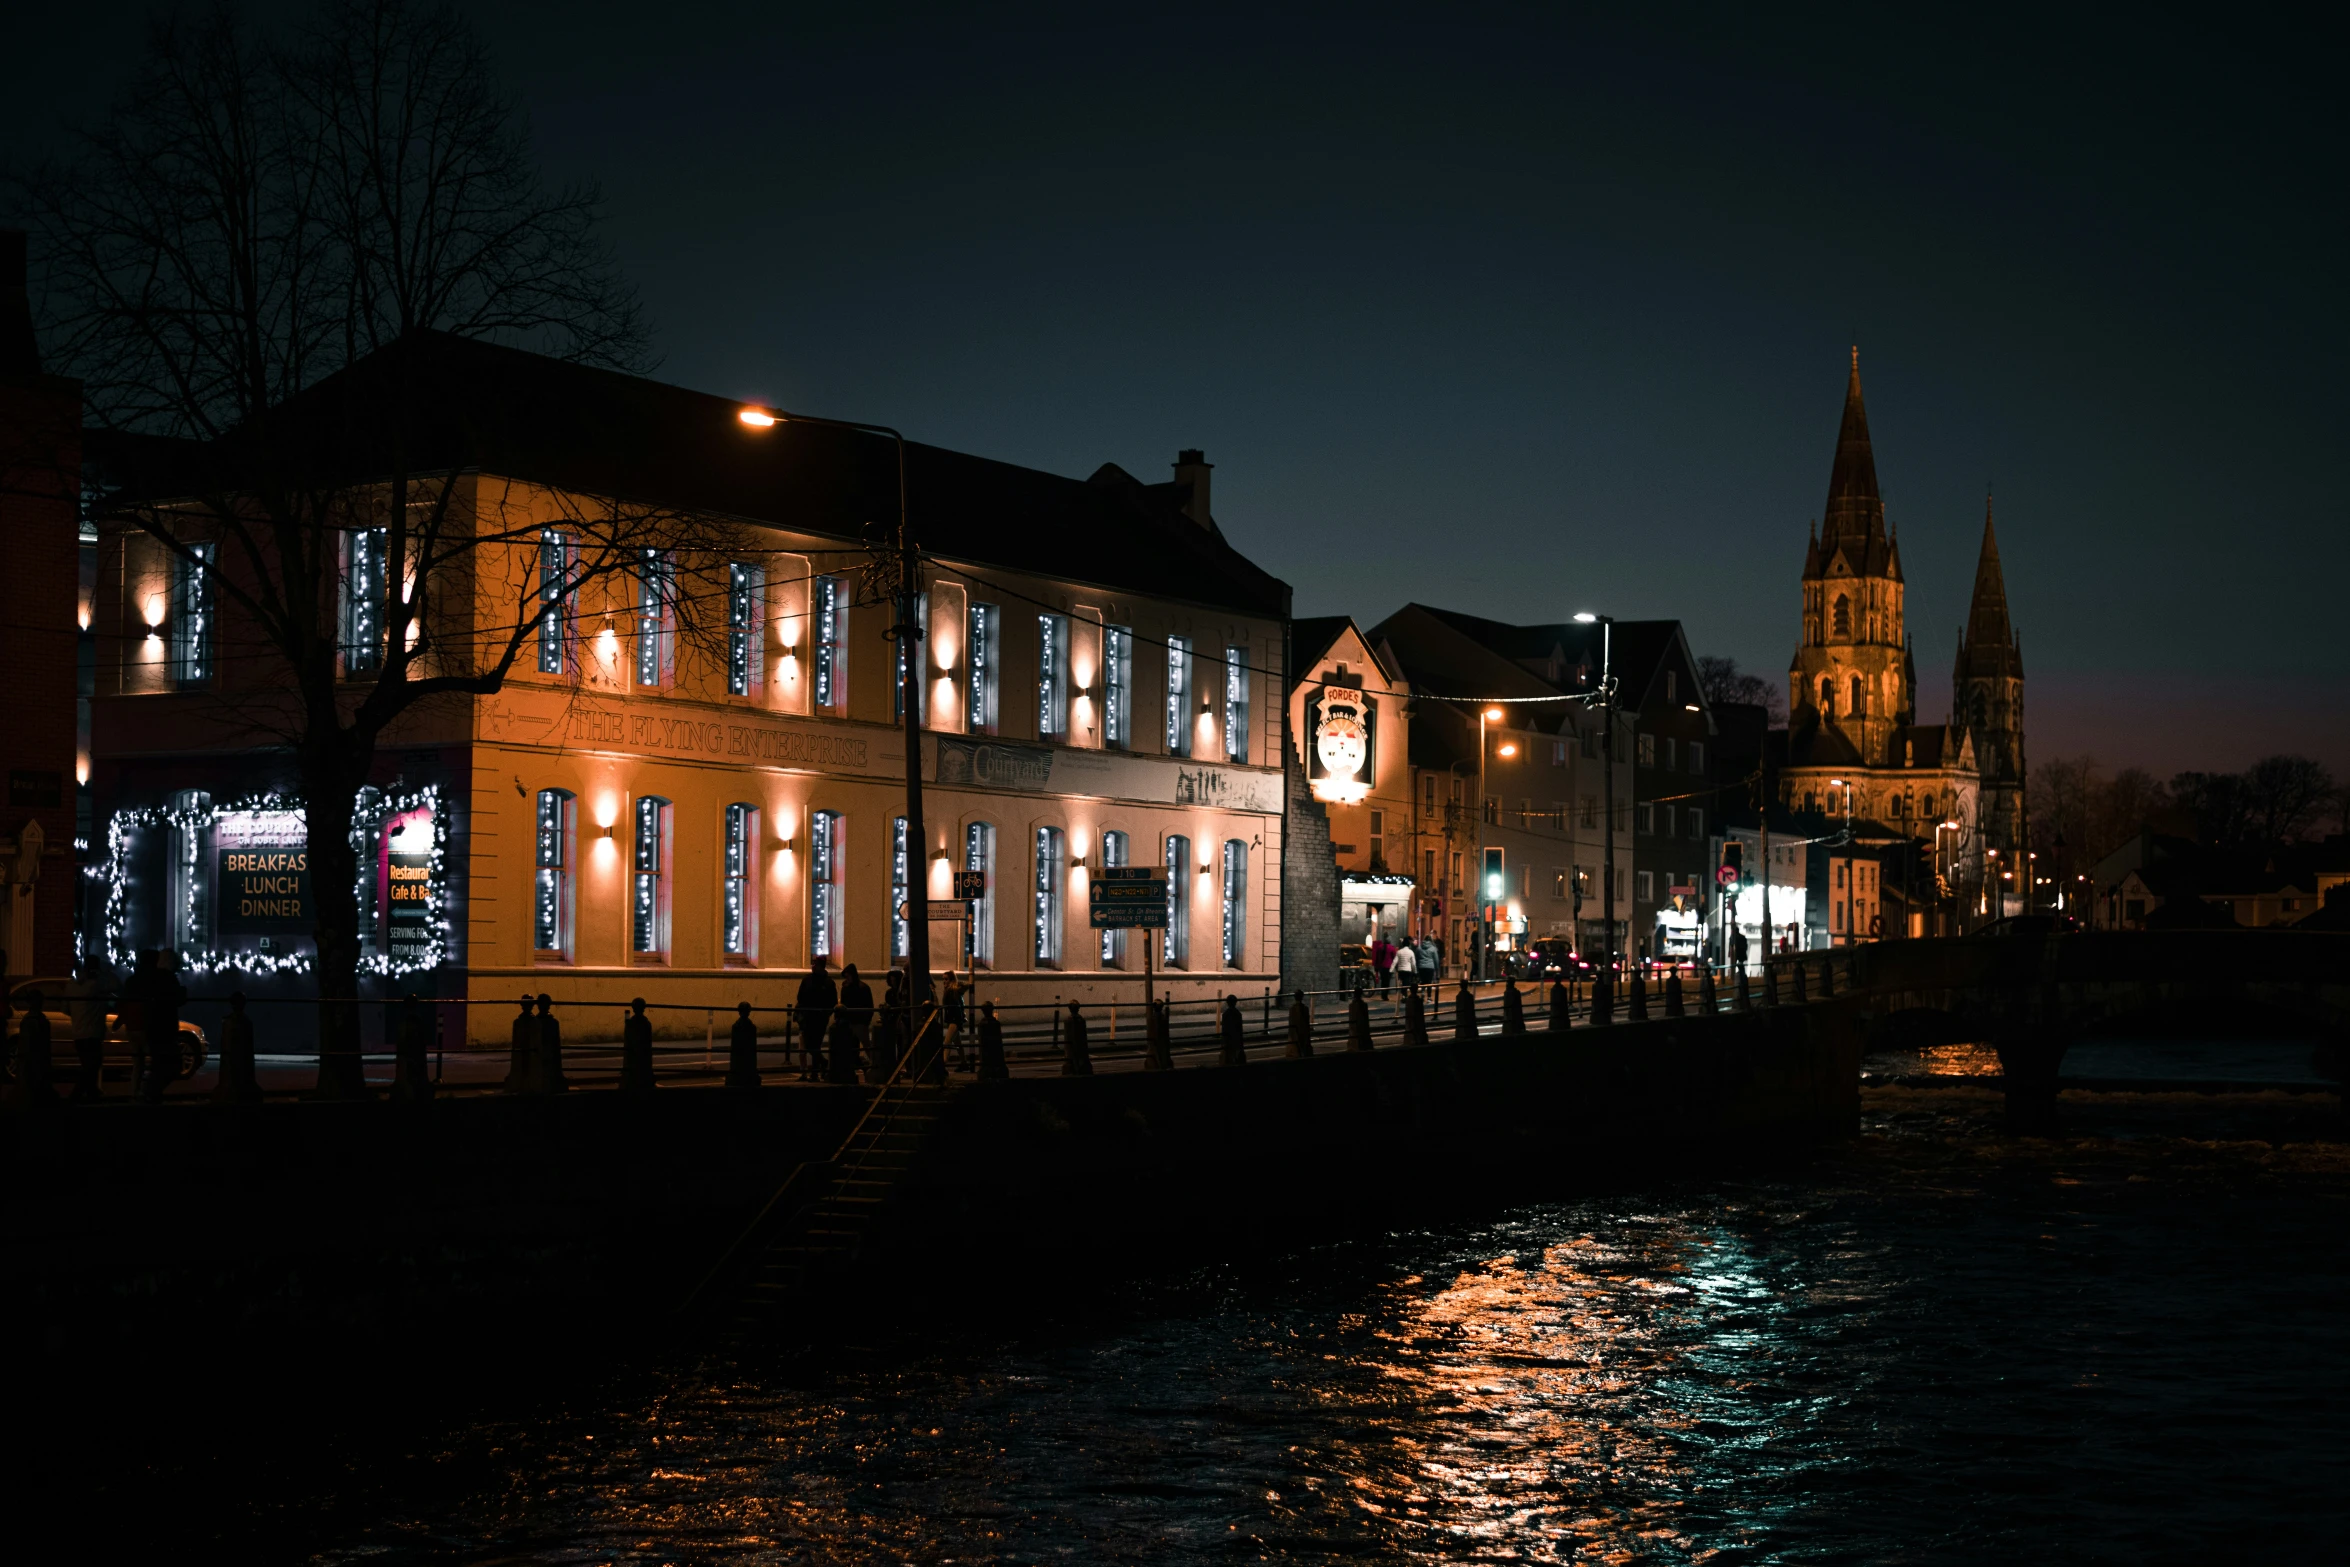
(1493,715)
(758,418)
(1585,618)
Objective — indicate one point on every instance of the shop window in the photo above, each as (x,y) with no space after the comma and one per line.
(901,943)
(825,855)
(981,648)
(1178,696)
(910,647)
(1235,901)
(554,602)
(832,643)
(1052,677)
(362,632)
(979,855)
(746,598)
(1047,921)
(656,618)
(191,614)
(1118,687)
(740,913)
(1236,704)
(1114,850)
(648,905)
(1175,941)
(551,903)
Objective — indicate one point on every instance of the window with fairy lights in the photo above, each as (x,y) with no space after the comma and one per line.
(648,901)
(739,913)
(825,852)
(551,902)
(1114,853)
(746,600)
(554,602)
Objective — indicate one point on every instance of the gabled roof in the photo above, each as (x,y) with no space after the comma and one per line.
(519,415)
(1314,639)
(1638,649)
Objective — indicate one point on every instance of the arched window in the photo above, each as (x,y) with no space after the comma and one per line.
(1860,695)
(1827,694)
(1843,616)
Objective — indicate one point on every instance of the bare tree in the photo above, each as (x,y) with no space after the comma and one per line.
(1723,682)
(2095,812)
(2287,797)
(253,263)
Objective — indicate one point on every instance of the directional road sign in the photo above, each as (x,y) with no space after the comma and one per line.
(1129,897)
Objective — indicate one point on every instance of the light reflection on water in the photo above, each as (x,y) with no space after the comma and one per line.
(1938,1346)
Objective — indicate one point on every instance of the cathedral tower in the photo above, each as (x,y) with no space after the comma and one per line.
(1852,678)
(1987,698)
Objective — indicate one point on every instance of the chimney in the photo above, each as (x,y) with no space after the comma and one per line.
(19,355)
(1191,484)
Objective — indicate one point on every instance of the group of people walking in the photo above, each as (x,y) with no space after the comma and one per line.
(1409,964)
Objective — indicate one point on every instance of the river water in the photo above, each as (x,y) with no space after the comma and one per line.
(2128,1343)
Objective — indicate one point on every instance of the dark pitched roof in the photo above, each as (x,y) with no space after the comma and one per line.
(519,415)
(1814,743)
(1312,637)
(1638,649)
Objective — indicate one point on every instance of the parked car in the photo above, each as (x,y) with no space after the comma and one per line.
(57,997)
(1555,957)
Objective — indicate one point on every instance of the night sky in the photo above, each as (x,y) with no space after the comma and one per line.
(1525,317)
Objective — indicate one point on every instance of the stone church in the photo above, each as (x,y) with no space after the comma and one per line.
(1854,741)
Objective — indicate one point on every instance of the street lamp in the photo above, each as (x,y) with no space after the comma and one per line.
(909,634)
(1485,715)
(1607,748)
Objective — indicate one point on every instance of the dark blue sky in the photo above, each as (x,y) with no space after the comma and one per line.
(1528,315)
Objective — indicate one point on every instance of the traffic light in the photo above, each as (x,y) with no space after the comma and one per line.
(1734,860)
(1494,884)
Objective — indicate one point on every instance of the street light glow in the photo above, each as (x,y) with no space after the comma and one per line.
(1493,715)
(756,418)
(1585,618)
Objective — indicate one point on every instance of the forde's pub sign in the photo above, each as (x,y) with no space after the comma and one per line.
(1343,723)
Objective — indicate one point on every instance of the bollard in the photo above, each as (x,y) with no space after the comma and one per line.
(1796,968)
(991,1044)
(1464,1014)
(1827,977)
(1745,1000)
(1513,1009)
(1301,1028)
(1638,1011)
(1561,1008)
(1235,1052)
(33,1044)
(88,1011)
(636,1050)
(411,1082)
(1603,998)
(1707,1001)
(550,1050)
(1158,1054)
(237,1085)
(1673,1006)
(1415,1018)
(742,1051)
(1358,1024)
(1076,1058)
(522,1053)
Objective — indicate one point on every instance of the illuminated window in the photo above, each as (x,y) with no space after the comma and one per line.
(1052,677)
(824,884)
(900,932)
(1175,941)
(741,909)
(656,618)
(363,600)
(551,900)
(1048,897)
(746,653)
(191,614)
(910,647)
(832,642)
(1236,704)
(648,922)
(1178,696)
(979,855)
(1235,900)
(987,623)
(1113,858)
(1117,687)
(554,602)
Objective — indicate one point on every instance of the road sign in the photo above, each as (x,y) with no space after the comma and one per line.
(1727,875)
(1128,897)
(970,884)
(938,911)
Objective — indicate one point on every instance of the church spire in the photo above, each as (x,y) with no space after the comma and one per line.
(1987,625)
(1855,510)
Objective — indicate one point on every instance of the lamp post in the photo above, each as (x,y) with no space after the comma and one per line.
(905,587)
(1607,751)
(1485,715)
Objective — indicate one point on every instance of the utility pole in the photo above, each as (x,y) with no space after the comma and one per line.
(1607,747)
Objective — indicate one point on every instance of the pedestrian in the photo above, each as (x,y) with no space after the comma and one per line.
(1383,960)
(636,1050)
(1076,1058)
(856,1004)
(991,1044)
(550,1051)
(1431,959)
(1231,1033)
(887,1028)
(87,1008)
(161,1021)
(814,1005)
(522,1053)
(1407,968)
(32,1052)
(742,1051)
(1737,947)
